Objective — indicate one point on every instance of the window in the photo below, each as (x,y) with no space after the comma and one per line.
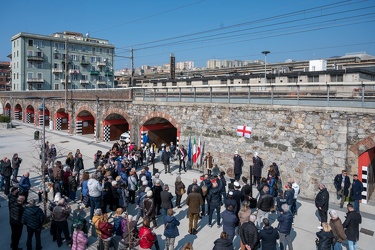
(93,50)
(56,45)
(92,68)
(75,77)
(17,76)
(84,77)
(75,67)
(98,59)
(39,86)
(57,56)
(55,65)
(14,44)
(29,75)
(17,65)
(39,43)
(337,78)
(83,58)
(74,48)
(100,50)
(29,53)
(39,54)
(57,86)
(313,78)
(75,58)
(84,49)
(62,45)
(57,76)
(39,65)
(292,78)
(107,51)
(31,42)
(17,53)
(93,59)
(14,76)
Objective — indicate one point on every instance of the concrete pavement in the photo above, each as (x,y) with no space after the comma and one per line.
(20,140)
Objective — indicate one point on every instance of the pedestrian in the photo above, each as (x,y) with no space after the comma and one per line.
(223,243)
(179,190)
(166,160)
(351,225)
(284,227)
(342,184)
(132,186)
(85,198)
(60,215)
(337,230)
(205,187)
(280,200)
(238,164)
(78,165)
(6,172)
(325,237)
(230,222)
(321,202)
(139,201)
(237,195)
(149,208)
(51,154)
(289,195)
(24,185)
(73,186)
(257,168)
(79,238)
(356,192)
(296,189)
(181,153)
(147,238)
(265,203)
(69,161)
(244,213)
(214,199)
(106,230)
(16,162)
(190,187)
(99,217)
(268,236)
(156,190)
(230,201)
(272,183)
(249,234)
(194,202)
(65,180)
(223,190)
(246,191)
(95,189)
(170,230)
(156,178)
(33,217)
(209,161)
(16,210)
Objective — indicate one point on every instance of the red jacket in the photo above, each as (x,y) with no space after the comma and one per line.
(106,229)
(146,237)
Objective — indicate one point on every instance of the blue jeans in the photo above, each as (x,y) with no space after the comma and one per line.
(2,181)
(139,214)
(356,205)
(337,246)
(352,245)
(94,204)
(164,213)
(15,173)
(212,209)
(72,194)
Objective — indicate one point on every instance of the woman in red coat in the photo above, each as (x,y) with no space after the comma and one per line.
(147,237)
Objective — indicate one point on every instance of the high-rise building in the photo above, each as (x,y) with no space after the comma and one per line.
(38,61)
(4,76)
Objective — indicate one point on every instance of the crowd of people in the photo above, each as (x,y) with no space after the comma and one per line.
(122,177)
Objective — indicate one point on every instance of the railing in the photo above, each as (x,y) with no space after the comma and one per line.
(35,80)
(341,94)
(57,70)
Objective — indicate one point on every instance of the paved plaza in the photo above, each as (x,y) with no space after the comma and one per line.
(20,140)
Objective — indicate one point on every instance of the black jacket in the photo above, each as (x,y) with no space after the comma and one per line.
(214,197)
(208,183)
(230,221)
(322,199)
(15,212)
(351,224)
(289,196)
(249,234)
(268,236)
(166,157)
(6,168)
(285,222)
(257,166)
(190,188)
(337,182)
(246,191)
(238,163)
(166,199)
(223,244)
(265,202)
(33,217)
(325,240)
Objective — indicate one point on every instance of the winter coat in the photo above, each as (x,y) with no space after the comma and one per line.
(117,222)
(351,225)
(95,188)
(166,157)
(357,189)
(16,162)
(230,221)
(132,183)
(325,240)
(166,200)
(146,237)
(231,201)
(70,162)
(171,229)
(338,181)
(285,222)
(214,197)
(80,240)
(61,213)
(156,191)
(194,201)
(337,229)
(223,184)
(78,164)
(72,183)
(280,200)
(148,207)
(58,173)
(249,235)
(265,202)
(178,186)
(257,166)
(246,192)
(85,188)
(223,244)
(208,184)
(6,168)
(296,189)
(15,212)
(238,163)
(268,236)
(106,229)
(33,217)
(322,199)
(24,184)
(289,196)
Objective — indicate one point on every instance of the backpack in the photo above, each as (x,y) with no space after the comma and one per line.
(204,189)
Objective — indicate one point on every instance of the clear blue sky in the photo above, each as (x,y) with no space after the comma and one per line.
(199,30)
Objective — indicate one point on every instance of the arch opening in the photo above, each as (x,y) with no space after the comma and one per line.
(114,126)
(18,112)
(158,130)
(30,114)
(85,123)
(61,120)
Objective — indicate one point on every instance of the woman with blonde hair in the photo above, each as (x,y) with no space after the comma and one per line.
(325,237)
(70,160)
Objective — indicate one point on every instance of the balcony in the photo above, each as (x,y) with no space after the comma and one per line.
(102,64)
(63,81)
(35,80)
(73,71)
(101,82)
(109,73)
(94,72)
(84,82)
(57,71)
(84,62)
(35,58)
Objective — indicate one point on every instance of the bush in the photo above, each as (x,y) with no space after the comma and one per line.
(4,118)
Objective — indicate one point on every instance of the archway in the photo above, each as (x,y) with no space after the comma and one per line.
(113,126)
(30,114)
(85,123)
(158,130)
(8,109)
(62,120)
(42,122)
(18,112)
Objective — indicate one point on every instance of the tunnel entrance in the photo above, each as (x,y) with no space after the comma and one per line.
(159,131)
(114,125)
(30,114)
(61,120)
(85,123)
(18,112)
(366,166)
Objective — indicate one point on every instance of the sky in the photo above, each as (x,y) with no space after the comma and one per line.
(199,30)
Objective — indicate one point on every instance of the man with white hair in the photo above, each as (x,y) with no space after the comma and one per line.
(24,185)
(249,234)
(285,226)
(156,178)
(321,202)
(337,229)
(60,215)
(149,208)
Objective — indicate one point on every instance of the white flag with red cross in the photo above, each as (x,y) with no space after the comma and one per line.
(244,131)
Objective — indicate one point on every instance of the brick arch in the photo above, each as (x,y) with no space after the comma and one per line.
(117,111)
(162,115)
(82,108)
(363,145)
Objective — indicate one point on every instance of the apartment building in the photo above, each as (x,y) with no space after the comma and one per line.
(4,76)
(38,62)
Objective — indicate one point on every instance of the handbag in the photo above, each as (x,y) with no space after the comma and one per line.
(182,191)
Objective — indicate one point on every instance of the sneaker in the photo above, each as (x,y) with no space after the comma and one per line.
(210,225)
(218,226)
(319,227)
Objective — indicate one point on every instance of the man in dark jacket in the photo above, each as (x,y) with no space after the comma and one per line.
(166,159)
(223,190)
(351,224)
(72,180)
(289,195)
(257,169)
(246,191)
(149,208)
(249,234)
(356,192)
(237,197)
(190,187)
(207,183)
(194,202)
(268,235)
(166,200)
(230,222)
(24,185)
(33,217)
(16,210)
(285,226)
(342,184)
(238,163)
(264,206)
(60,215)
(16,162)
(6,172)
(214,199)
(78,165)
(321,202)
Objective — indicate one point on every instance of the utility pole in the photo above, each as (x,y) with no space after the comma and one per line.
(132,60)
(66,74)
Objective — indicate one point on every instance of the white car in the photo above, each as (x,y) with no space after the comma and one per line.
(125,137)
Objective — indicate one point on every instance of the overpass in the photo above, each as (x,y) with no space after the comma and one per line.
(312,132)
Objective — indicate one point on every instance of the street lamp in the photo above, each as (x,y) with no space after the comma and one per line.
(265,64)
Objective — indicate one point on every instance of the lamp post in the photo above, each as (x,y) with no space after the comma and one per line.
(43,108)
(265,64)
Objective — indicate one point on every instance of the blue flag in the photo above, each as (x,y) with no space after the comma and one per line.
(189,149)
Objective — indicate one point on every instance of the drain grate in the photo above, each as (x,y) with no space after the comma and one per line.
(366,231)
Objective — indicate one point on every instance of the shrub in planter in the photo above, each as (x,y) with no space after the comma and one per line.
(4,118)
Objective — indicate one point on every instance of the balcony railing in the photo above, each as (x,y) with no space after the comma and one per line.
(101,82)
(101,64)
(55,71)
(35,80)
(109,73)
(94,72)
(83,82)
(84,62)
(63,81)
(35,58)
(73,71)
